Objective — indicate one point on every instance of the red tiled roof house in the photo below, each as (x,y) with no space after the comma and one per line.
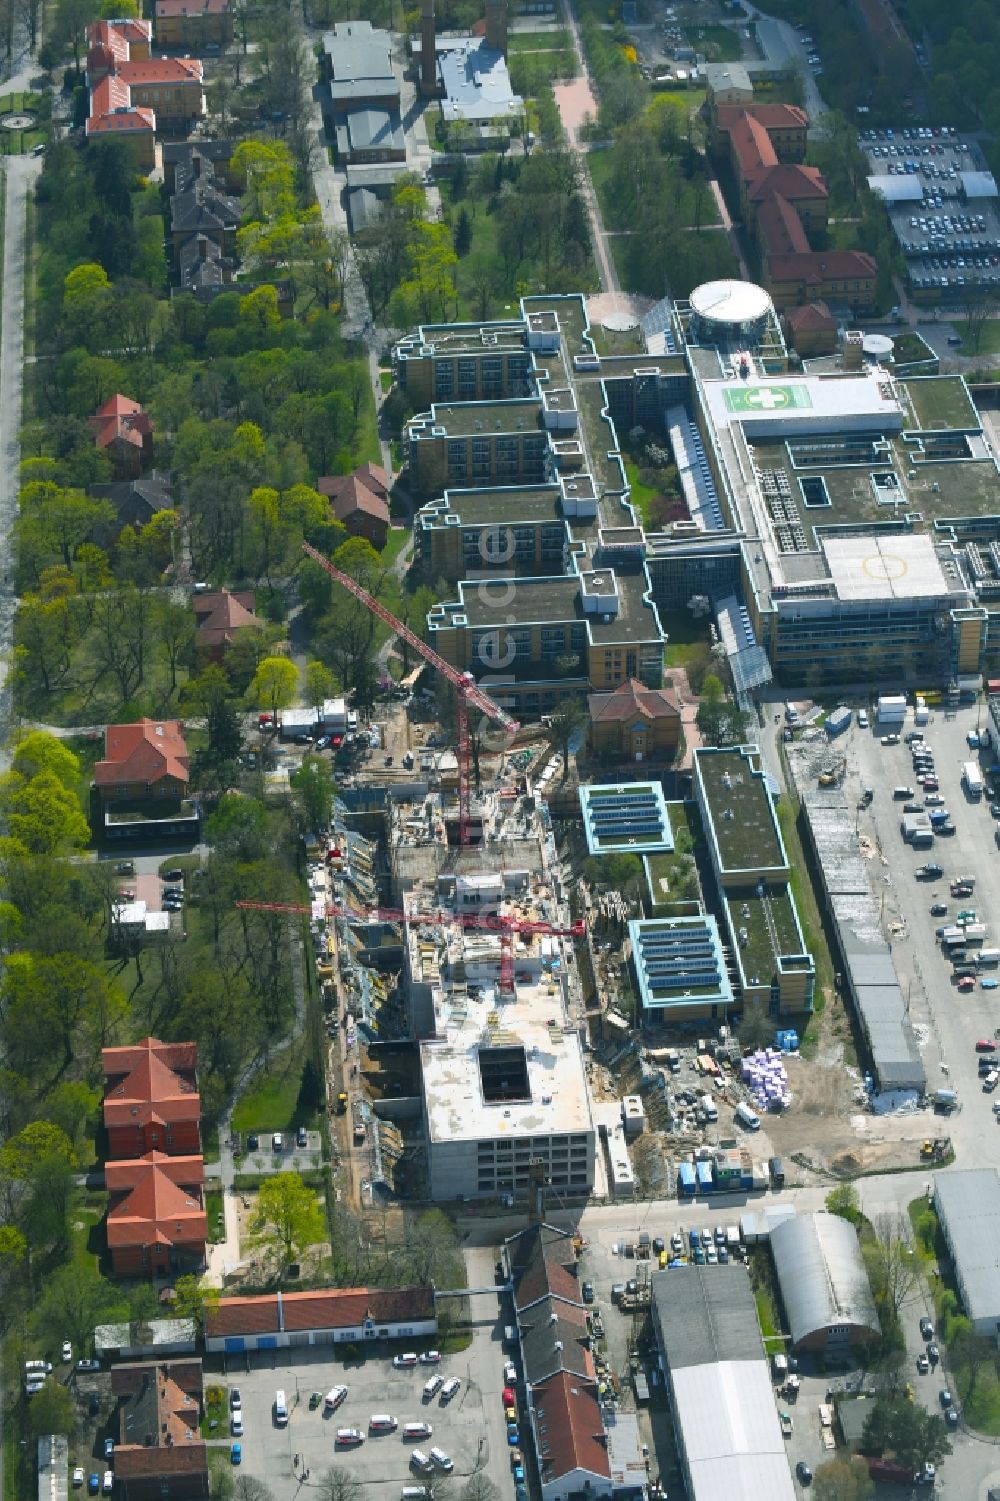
(151,1100)
(123,430)
(360,501)
(148,759)
(634,723)
(220,616)
(160,1454)
(156,1222)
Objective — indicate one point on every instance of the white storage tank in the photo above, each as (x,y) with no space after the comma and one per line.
(633,1115)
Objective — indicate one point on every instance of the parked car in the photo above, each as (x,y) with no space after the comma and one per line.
(88,1365)
(67,1350)
(109,1448)
(430,1357)
(923,1364)
(78,1477)
(108,1483)
(175,874)
(587,1292)
(510,1374)
(404,1362)
(236,1425)
(236,1454)
(301,1137)
(93,1484)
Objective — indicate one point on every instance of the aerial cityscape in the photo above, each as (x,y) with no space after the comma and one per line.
(500,737)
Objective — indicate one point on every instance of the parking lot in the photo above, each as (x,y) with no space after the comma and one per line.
(469,1428)
(949,1020)
(951,240)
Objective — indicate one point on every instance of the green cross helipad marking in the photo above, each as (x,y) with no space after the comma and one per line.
(766,398)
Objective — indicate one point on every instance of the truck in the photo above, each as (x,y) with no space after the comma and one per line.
(973,780)
(975,932)
(945,1100)
(838,721)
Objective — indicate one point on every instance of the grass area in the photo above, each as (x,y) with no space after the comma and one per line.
(603,169)
(531,71)
(271,1102)
(941,401)
(642,495)
(989,338)
(215,1423)
(216,1215)
(805,900)
(703,255)
(395,543)
(687,638)
(767,1317)
(385,380)
(720,44)
(538,41)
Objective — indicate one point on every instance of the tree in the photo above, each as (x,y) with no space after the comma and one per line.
(756,1030)
(52,1409)
(314,787)
(73,1299)
(191,1300)
(906,1429)
(479,1487)
(237,830)
(463,233)
(175,628)
(432,1252)
(41,814)
(274,684)
(971,1354)
(567,718)
(249,1488)
(320,684)
(288,1215)
(338,1485)
(843,1201)
(843,1480)
(39,751)
(892,1266)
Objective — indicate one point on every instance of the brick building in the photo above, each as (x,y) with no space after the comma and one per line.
(156,1221)
(151,1100)
(160,1454)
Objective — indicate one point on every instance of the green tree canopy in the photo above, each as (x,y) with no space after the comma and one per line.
(288,1215)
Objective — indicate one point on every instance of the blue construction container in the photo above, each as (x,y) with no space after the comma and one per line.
(686,1182)
(706,1182)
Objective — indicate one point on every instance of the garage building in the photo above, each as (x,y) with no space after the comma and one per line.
(821,1272)
(729,1440)
(328,1316)
(968,1209)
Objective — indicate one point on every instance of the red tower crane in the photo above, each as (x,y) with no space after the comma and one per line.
(491,922)
(467,691)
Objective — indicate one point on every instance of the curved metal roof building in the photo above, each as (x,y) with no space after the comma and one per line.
(823,1281)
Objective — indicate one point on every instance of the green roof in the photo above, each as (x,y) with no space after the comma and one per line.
(740,811)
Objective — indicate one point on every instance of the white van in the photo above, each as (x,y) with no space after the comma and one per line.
(382,1422)
(416,1493)
(442,1460)
(280,1409)
(43,1367)
(450,1388)
(433,1386)
(747,1117)
(413,1431)
(420,1462)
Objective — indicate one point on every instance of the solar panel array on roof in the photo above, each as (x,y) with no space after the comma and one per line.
(624,817)
(678,958)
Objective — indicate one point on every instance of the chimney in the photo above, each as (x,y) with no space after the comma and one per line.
(496,25)
(428,54)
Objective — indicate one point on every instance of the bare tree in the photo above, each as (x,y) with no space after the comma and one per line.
(479,1487)
(340,1485)
(249,1488)
(892,1265)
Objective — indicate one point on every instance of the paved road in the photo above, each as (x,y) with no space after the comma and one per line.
(21,174)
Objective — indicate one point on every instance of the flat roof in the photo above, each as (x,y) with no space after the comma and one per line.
(939,402)
(769,921)
(545,601)
(466,418)
(441,339)
(679,962)
(805,403)
(741,817)
(630,819)
(559,1095)
(511,504)
(968,1203)
(885,568)
(723,1400)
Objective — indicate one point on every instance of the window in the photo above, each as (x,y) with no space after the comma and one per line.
(458,459)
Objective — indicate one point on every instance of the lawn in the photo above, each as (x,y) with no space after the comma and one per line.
(538,41)
(272,1101)
(686,636)
(602,171)
(720,44)
(215,1214)
(941,401)
(989,342)
(642,495)
(805,901)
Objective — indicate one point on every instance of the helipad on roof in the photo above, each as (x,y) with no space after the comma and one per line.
(884,567)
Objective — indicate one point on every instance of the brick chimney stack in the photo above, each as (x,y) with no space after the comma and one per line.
(428,56)
(496,25)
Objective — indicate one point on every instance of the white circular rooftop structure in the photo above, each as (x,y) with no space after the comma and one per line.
(730,304)
(877,346)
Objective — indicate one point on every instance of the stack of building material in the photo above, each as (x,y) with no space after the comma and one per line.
(766,1077)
